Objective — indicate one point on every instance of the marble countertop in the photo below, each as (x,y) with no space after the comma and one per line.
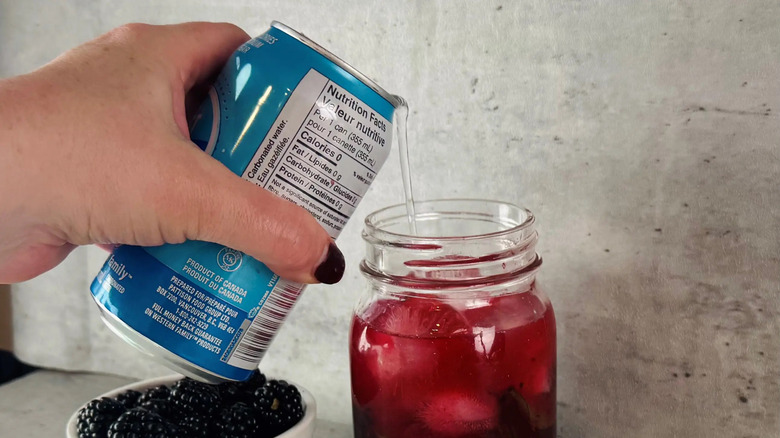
(40,404)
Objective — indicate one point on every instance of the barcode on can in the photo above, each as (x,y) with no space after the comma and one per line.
(255,341)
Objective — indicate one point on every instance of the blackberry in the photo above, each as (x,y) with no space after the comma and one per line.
(129,398)
(294,413)
(192,397)
(196,426)
(277,385)
(95,418)
(140,423)
(158,392)
(286,417)
(255,380)
(234,392)
(289,394)
(238,421)
(264,399)
(164,408)
(281,420)
(278,406)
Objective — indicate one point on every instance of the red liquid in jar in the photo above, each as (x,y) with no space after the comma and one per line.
(424,367)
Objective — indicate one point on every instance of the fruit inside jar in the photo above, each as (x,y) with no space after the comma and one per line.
(442,365)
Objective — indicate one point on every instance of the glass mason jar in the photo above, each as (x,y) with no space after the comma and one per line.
(453,337)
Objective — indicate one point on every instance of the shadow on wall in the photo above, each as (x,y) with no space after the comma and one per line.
(641,346)
(10,367)
(609,366)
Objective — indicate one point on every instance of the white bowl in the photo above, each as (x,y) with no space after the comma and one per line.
(304,428)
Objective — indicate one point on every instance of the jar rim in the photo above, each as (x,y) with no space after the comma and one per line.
(373,220)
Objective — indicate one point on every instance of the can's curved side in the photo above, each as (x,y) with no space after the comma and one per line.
(156,352)
(289,119)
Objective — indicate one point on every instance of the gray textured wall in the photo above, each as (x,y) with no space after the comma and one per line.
(644,135)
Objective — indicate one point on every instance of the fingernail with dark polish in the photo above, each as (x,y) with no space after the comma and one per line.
(332,269)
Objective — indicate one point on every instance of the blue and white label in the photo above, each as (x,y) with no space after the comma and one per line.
(294,123)
(229,259)
(322,155)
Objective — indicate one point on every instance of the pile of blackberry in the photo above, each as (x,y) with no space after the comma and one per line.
(256,408)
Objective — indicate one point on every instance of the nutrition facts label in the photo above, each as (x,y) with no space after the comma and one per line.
(322,155)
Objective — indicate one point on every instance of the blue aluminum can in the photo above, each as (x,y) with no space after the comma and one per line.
(294,119)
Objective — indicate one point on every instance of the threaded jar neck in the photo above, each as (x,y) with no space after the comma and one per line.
(459,243)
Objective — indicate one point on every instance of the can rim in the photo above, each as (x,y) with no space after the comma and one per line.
(393,99)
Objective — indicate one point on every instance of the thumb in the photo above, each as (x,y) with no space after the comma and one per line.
(196,52)
(236,213)
(200,49)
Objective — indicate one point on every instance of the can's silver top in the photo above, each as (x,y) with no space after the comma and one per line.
(394,100)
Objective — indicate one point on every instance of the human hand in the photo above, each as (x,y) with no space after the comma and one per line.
(94,149)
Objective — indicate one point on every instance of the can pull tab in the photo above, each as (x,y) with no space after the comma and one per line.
(398,101)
